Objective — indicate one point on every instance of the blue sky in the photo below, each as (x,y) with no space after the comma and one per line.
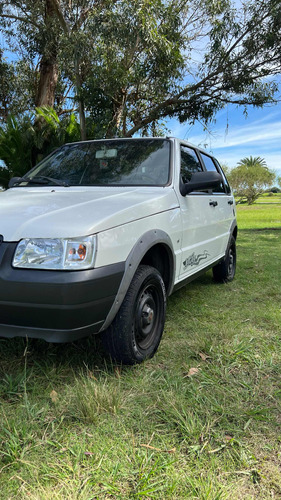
(234,136)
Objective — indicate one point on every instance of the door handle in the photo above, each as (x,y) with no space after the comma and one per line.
(213,203)
(230,202)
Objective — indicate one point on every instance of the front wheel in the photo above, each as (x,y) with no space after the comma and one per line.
(225,270)
(137,329)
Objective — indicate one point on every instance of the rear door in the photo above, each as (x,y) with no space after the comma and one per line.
(222,203)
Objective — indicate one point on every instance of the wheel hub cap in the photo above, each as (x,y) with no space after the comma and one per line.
(231,262)
(146,315)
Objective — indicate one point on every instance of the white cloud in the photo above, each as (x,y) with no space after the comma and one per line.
(257,132)
(258,137)
(251,135)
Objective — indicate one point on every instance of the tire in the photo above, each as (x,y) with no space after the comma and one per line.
(136,331)
(225,270)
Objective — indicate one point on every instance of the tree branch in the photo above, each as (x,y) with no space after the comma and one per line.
(60,16)
(20,18)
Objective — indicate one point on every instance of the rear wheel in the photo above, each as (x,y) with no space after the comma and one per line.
(225,270)
(137,329)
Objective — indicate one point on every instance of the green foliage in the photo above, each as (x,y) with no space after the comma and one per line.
(130,65)
(250,178)
(53,131)
(26,141)
(137,62)
(6,78)
(16,142)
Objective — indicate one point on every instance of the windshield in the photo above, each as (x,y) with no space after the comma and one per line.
(130,162)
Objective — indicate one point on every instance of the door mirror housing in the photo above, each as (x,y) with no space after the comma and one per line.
(201,181)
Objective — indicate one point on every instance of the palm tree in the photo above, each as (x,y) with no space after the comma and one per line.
(250,178)
(252,161)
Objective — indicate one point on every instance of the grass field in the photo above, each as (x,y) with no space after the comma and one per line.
(201,420)
(264,214)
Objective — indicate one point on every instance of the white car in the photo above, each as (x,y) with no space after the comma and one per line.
(96,236)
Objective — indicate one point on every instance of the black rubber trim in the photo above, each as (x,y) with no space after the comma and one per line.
(232,229)
(142,246)
(58,301)
(56,336)
(195,275)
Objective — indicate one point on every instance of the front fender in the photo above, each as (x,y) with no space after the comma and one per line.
(141,247)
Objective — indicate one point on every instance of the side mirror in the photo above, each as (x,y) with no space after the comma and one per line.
(200,181)
(13,181)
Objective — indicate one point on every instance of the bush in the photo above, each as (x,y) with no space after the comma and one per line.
(26,141)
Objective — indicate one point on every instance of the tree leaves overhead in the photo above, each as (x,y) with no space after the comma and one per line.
(131,64)
(137,59)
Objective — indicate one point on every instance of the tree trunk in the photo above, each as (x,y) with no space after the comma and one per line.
(82,117)
(47,82)
(48,69)
(113,129)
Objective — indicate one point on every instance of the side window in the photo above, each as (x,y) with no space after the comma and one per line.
(226,183)
(211,167)
(189,163)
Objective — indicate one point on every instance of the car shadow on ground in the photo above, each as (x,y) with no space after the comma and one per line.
(38,355)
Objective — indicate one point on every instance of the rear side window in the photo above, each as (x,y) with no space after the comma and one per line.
(189,163)
(211,167)
(226,183)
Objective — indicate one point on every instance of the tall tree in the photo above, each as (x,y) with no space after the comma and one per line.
(181,59)
(37,30)
(135,63)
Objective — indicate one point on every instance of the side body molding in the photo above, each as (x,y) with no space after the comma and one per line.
(142,246)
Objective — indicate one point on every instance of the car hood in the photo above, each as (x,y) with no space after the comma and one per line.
(59,212)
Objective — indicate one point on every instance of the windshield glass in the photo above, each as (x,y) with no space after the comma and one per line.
(130,162)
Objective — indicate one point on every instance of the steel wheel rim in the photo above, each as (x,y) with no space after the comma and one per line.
(147,317)
(231,262)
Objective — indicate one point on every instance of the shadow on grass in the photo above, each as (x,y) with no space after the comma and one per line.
(49,360)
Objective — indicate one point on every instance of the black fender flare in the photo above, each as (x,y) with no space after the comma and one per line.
(233,229)
(141,247)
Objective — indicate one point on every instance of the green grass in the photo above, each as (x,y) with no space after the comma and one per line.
(269,198)
(264,214)
(74,426)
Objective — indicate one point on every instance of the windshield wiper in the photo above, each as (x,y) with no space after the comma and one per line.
(43,179)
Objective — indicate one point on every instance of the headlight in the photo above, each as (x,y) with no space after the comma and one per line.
(73,253)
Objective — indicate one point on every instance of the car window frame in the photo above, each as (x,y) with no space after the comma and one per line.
(162,185)
(218,169)
(196,152)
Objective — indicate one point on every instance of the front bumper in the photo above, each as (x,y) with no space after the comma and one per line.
(57,306)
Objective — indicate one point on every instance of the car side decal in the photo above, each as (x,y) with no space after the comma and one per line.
(194,260)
